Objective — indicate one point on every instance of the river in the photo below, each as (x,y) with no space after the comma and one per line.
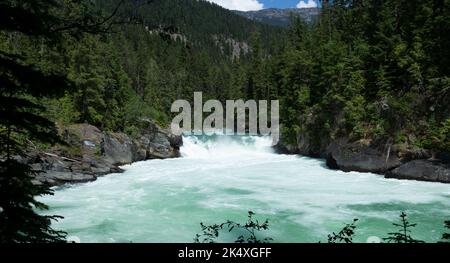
(220,178)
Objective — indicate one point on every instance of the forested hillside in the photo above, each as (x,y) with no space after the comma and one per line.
(370,71)
(155,52)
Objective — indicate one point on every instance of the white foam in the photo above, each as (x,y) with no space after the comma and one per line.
(222,178)
(225,146)
(73,239)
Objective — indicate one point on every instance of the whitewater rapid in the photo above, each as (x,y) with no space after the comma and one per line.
(223,177)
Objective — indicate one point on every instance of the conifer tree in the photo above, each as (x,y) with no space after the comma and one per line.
(21,80)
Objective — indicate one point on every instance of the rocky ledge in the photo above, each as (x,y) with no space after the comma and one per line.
(90,153)
(393,161)
(422,170)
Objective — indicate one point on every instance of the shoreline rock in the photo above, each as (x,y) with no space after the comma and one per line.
(422,170)
(361,158)
(101,153)
(91,153)
(392,161)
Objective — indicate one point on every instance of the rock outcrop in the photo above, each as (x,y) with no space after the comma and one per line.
(118,149)
(422,170)
(90,152)
(158,143)
(281,17)
(360,157)
(393,161)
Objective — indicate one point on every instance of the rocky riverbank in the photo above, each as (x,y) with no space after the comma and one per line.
(392,161)
(89,152)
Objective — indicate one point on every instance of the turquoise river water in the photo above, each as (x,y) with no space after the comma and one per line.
(220,178)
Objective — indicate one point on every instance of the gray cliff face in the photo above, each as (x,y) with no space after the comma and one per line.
(99,153)
(281,17)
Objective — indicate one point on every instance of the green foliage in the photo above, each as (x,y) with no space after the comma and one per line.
(27,79)
(19,223)
(345,235)
(210,233)
(200,20)
(19,122)
(170,51)
(403,235)
(439,137)
(355,116)
(372,73)
(62,110)
(250,229)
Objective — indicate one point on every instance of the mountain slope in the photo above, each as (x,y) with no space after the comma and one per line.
(280,17)
(164,51)
(200,21)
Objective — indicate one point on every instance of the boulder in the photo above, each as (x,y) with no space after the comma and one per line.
(139,153)
(117,148)
(176,141)
(283,148)
(158,143)
(304,145)
(156,146)
(422,170)
(331,162)
(60,178)
(361,157)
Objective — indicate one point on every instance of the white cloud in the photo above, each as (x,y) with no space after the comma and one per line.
(242,5)
(307,4)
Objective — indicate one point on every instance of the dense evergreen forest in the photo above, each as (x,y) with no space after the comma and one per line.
(157,53)
(365,69)
(374,70)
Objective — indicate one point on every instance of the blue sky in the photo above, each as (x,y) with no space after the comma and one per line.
(280,3)
(246,5)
